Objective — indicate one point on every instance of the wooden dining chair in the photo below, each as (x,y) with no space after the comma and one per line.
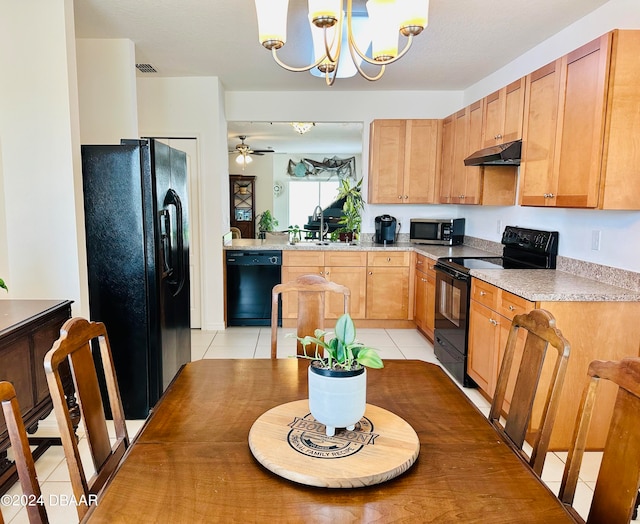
(541,333)
(22,457)
(616,490)
(77,336)
(311,290)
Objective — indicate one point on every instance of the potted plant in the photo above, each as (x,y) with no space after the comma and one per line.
(3,285)
(351,219)
(266,223)
(294,234)
(338,381)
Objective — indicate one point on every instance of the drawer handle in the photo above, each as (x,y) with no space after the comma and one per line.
(483,293)
(388,259)
(512,308)
(494,322)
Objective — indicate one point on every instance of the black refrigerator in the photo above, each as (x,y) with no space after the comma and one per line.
(137,234)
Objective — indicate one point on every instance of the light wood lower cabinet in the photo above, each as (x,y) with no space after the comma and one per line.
(388,285)
(380,283)
(425,299)
(347,269)
(595,331)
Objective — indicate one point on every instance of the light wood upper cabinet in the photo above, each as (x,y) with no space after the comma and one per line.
(503,114)
(446,169)
(578,138)
(404,161)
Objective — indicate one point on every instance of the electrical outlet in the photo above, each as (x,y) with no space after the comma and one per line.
(596,235)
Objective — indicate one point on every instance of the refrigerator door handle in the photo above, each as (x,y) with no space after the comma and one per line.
(179,272)
(165,242)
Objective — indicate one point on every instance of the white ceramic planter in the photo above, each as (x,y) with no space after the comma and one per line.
(337,401)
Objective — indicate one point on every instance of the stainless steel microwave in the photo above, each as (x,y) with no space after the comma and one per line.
(443,232)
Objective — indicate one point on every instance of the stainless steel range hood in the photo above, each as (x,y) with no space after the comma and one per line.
(507,154)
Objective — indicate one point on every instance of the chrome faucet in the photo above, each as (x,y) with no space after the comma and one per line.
(317,212)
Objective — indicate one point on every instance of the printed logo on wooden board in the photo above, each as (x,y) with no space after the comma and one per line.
(307,436)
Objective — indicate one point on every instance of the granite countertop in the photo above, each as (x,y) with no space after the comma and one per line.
(536,285)
(540,285)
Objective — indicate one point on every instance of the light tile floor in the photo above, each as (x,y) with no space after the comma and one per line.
(254,342)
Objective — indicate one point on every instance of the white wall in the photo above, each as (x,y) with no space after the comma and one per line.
(39,141)
(107,90)
(192,107)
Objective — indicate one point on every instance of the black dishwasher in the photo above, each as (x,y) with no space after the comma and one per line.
(251,276)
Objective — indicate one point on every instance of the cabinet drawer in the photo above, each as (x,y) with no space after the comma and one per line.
(303,258)
(511,305)
(395,258)
(422,263)
(484,293)
(352,259)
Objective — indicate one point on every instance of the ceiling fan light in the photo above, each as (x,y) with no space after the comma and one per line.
(272,22)
(243,159)
(384,20)
(324,13)
(414,16)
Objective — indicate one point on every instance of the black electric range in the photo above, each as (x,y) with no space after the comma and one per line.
(523,249)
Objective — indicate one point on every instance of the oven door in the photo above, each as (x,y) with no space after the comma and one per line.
(451,317)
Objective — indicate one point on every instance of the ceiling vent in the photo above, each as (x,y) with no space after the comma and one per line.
(146,68)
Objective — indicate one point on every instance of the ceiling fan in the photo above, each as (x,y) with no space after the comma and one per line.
(244,149)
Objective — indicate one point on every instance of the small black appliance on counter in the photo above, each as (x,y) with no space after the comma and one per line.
(386,226)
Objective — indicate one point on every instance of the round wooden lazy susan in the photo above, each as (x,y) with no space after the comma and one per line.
(289,442)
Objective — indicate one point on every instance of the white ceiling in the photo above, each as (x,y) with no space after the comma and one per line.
(465,41)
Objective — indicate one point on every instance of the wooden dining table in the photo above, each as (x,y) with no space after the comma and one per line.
(191,461)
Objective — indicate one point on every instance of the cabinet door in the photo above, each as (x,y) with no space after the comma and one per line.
(386,161)
(446,166)
(420,311)
(513,111)
(581,124)
(388,293)
(473,174)
(493,118)
(539,136)
(355,278)
(484,336)
(460,148)
(422,162)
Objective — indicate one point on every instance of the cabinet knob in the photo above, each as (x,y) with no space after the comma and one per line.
(371,272)
(512,308)
(400,197)
(388,259)
(424,279)
(494,322)
(326,273)
(498,136)
(483,293)
(406,196)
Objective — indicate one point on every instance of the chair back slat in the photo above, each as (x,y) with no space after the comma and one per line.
(77,337)
(541,335)
(23,458)
(311,291)
(616,491)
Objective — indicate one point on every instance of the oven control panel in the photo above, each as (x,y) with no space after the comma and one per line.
(531,239)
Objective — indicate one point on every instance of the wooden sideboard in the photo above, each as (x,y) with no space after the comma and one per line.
(28,329)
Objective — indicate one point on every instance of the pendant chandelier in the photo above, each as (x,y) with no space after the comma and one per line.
(327,17)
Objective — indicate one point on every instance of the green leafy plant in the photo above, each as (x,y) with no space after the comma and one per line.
(267,222)
(294,233)
(351,219)
(3,285)
(342,349)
